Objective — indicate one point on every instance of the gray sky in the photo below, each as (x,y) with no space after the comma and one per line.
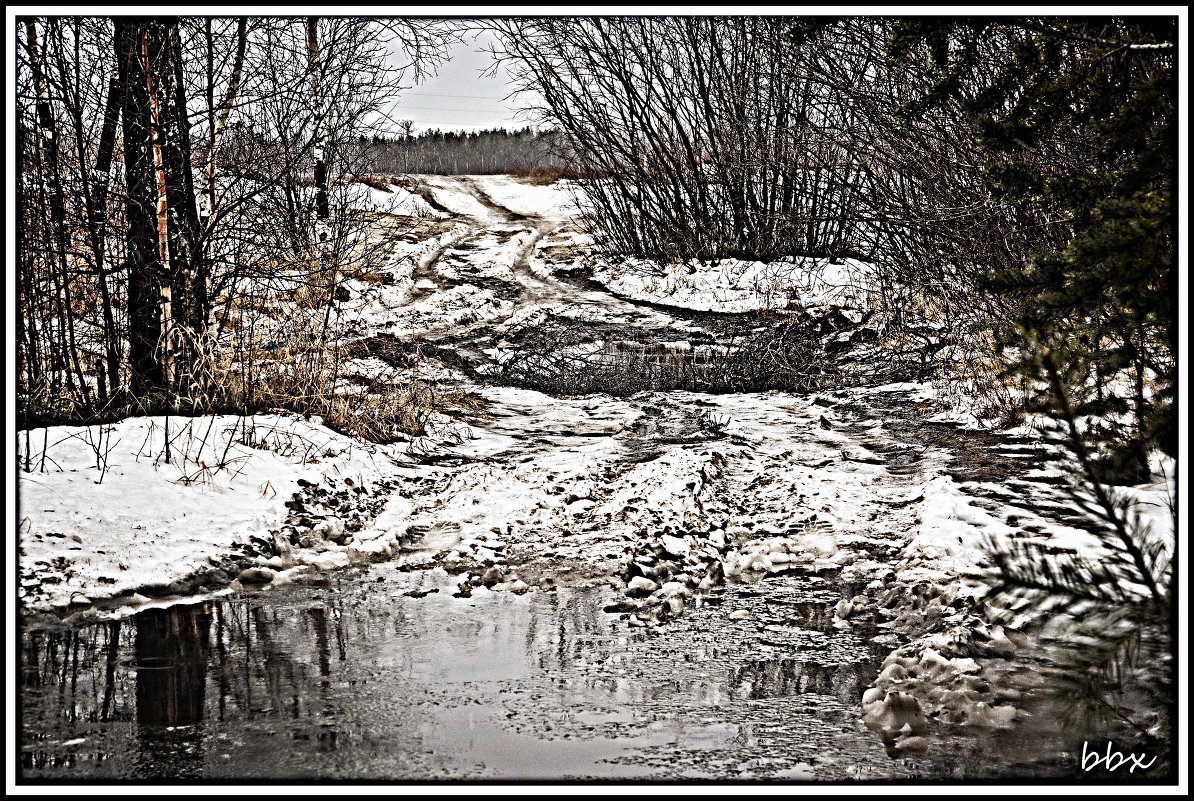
(459,98)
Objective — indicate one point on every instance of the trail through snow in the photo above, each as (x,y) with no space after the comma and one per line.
(832,528)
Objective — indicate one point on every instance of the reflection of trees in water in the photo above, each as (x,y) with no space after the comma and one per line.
(81,670)
(754,679)
(175,678)
(171,651)
(275,662)
(565,629)
(153,669)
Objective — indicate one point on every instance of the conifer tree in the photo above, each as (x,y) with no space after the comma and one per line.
(1081,123)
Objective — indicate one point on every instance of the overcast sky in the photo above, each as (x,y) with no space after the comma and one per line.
(459,98)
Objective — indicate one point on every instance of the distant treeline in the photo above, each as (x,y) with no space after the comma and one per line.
(458,152)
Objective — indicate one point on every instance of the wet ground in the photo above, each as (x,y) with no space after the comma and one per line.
(360,679)
(382,672)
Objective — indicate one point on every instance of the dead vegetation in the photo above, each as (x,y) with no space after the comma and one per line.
(563,355)
(545,176)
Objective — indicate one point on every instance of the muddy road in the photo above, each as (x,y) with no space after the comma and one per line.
(670,584)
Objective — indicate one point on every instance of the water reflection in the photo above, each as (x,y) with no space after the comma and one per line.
(359,680)
(171,649)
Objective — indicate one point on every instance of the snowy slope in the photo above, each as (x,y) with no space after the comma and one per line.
(145,522)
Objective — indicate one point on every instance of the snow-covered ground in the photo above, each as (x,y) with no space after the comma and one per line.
(733,285)
(137,506)
(661,495)
(393,199)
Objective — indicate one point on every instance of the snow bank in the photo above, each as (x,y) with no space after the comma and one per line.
(733,285)
(144,522)
(397,200)
(955,530)
(448,193)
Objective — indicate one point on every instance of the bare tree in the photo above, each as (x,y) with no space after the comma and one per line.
(166,174)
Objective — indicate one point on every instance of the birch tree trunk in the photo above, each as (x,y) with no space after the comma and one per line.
(218,118)
(321,171)
(151,57)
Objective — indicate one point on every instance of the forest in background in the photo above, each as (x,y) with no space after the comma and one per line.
(486,152)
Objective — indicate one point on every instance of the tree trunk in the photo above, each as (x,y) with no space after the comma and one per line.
(218,119)
(321,171)
(188,273)
(48,143)
(144,263)
(152,58)
(97,216)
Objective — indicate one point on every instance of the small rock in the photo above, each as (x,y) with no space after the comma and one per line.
(621,606)
(911,745)
(420,593)
(897,713)
(256,575)
(740,614)
(640,585)
(674,545)
(179,587)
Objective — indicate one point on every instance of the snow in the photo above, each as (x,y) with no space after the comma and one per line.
(733,285)
(397,200)
(447,193)
(145,522)
(556,202)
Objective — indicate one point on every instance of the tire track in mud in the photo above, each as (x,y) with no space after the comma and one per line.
(462,346)
(804,509)
(758,539)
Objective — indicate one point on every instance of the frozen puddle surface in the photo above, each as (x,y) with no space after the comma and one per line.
(359,679)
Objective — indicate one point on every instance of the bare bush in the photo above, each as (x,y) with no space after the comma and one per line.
(563,355)
(762,137)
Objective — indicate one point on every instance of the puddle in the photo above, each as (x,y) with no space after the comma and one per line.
(360,680)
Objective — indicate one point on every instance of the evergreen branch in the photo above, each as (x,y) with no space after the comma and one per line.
(1100,491)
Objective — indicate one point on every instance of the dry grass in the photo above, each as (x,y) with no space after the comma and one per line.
(381,412)
(373,181)
(373,277)
(544,176)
